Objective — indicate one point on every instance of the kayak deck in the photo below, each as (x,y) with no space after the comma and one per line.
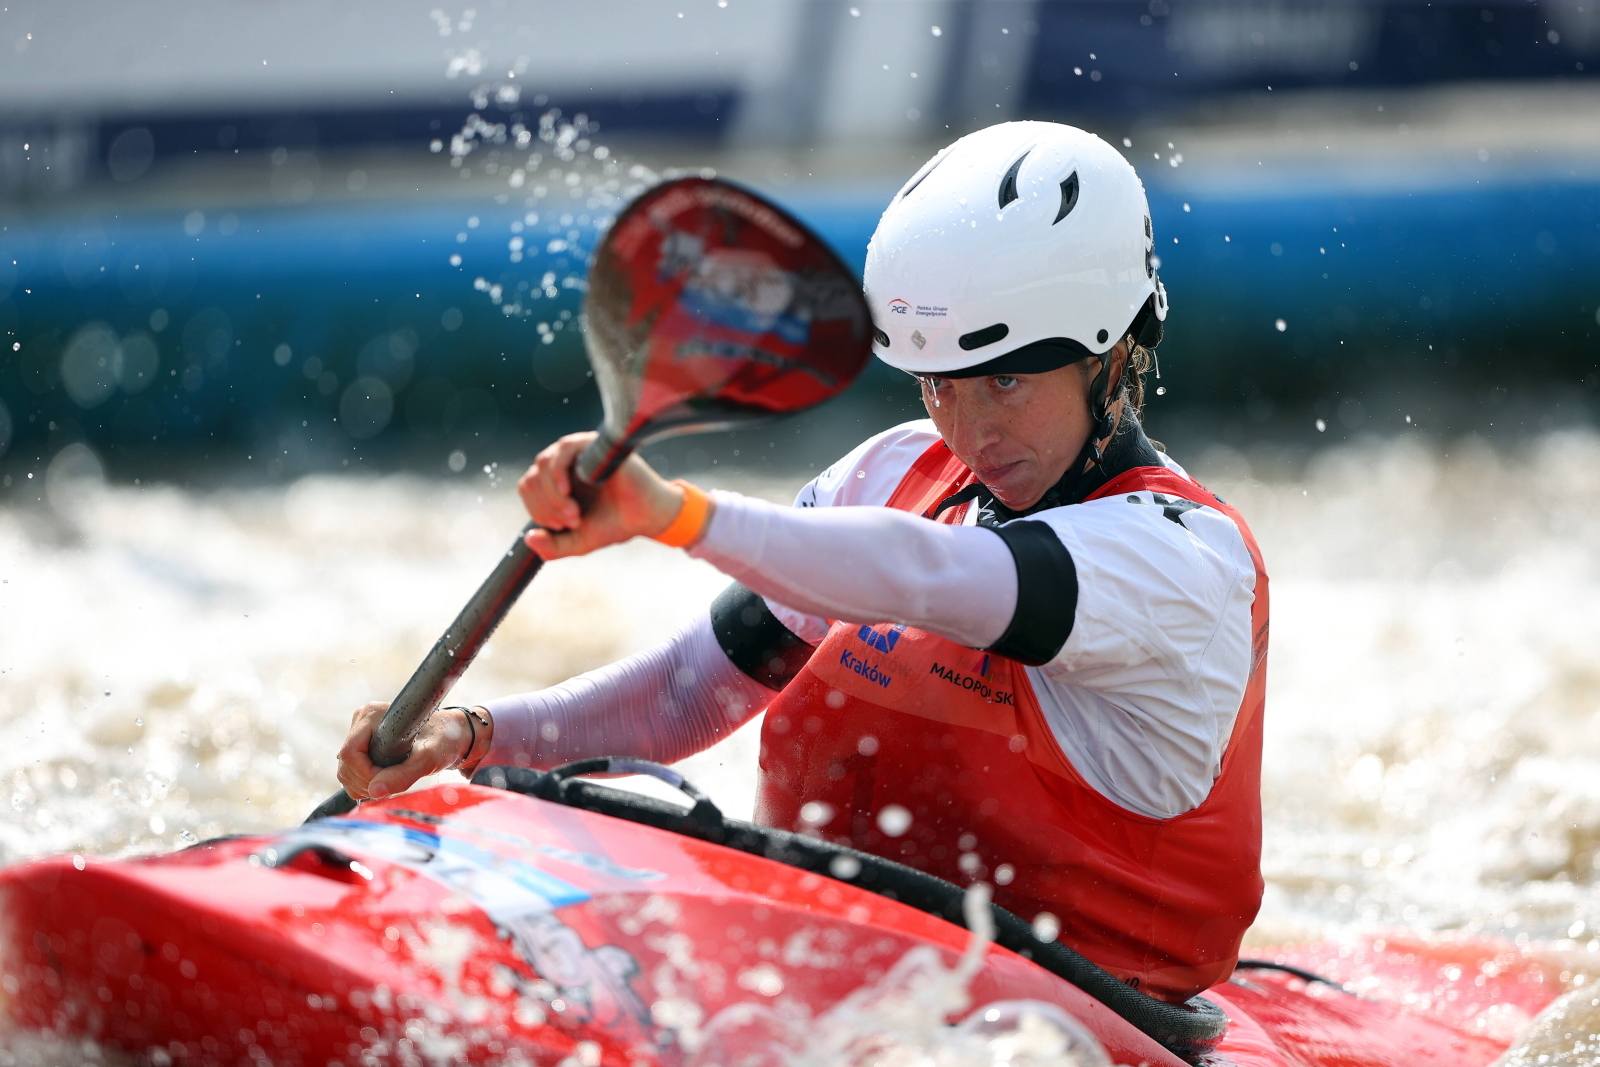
(468,920)
(468,923)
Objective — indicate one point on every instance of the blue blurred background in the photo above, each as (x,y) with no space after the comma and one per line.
(273,236)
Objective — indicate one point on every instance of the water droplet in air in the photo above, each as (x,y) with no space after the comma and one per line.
(1281,325)
(815,813)
(894,820)
(1321,426)
(1161,390)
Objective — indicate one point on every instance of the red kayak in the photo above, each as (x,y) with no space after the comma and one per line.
(540,918)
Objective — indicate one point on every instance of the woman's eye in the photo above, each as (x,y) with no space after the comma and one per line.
(1004,381)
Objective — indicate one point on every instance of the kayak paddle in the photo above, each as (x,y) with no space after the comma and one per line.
(707,308)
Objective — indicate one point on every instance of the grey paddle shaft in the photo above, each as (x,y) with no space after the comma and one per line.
(455,650)
(453,653)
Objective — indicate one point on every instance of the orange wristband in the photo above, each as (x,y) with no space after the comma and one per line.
(691,521)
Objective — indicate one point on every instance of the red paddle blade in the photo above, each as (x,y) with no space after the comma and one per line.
(709,307)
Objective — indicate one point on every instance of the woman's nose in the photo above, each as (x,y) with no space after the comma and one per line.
(971,428)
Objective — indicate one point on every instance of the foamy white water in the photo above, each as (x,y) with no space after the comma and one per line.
(1434,713)
(177,664)
(182,664)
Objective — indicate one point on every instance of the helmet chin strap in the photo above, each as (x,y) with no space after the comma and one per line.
(1103,423)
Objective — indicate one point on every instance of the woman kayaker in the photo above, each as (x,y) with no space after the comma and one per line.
(1013,642)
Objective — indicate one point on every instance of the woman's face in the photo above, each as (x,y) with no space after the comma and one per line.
(1017,432)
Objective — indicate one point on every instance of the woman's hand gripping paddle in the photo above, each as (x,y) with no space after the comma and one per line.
(708,307)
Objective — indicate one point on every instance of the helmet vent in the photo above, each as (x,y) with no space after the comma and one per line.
(918,179)
(880,337)
(986,336)
(1008,184)
(1069,197)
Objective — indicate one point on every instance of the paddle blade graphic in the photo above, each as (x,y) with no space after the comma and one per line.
(709,307)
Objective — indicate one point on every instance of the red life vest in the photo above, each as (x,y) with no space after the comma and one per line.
(889,715)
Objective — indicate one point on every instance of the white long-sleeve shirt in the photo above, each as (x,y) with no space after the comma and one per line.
(1141,697)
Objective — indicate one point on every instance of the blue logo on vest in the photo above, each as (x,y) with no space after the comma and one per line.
(883,639)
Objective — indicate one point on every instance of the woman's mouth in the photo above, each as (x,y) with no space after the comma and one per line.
(991,475)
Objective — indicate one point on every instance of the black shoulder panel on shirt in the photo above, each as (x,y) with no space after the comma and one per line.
(753,638)
(1047,594)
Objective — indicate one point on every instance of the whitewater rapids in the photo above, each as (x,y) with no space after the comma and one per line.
(178,664)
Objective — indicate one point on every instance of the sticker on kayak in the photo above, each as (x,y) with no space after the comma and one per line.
(594,985)
(504,888)
(589,861)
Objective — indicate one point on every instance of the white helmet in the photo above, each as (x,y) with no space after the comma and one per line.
(1022,233)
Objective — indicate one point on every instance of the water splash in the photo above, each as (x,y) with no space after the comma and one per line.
(570,186)
(46,1050)
(900,1021)
(1563,1035)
